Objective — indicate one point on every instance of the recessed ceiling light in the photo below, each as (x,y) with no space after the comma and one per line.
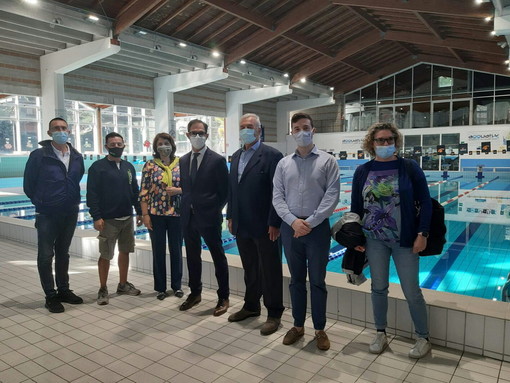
(331,88)
(285,75)
(216,54)
(488,18)
(31,2)
(493,33)
(184,45)
(93,18)
(303,80)
(242,62)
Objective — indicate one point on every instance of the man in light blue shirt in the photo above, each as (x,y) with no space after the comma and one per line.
(305,194)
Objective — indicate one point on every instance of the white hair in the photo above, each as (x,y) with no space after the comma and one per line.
(251,115)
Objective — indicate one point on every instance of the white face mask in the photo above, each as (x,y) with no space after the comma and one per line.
(303,138)
(197,142)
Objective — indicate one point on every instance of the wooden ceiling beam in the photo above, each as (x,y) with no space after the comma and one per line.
(394,67)
(242,12)
(426,20)
(449,42)
(345,51)
(451,7)
(173,15)
(205,26)
(131,13)
(219,30)
(191,20)
(292,19)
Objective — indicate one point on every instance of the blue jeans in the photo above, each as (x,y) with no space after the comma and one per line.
(407,264)
(164,227)
(308,253)
(54,236)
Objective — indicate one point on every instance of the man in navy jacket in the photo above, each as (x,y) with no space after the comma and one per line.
(253,220)
(52,182)
(204,183)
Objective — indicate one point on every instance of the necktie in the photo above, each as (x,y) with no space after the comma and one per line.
(194,167)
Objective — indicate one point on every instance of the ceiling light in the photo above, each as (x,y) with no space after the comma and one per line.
(31,2)
(331,88)
(93,18)
(216,54)
(493,33)
(303,80)
(183,45)
(140,33)
(507,62)
(242,61)
(285,75)
(488,18)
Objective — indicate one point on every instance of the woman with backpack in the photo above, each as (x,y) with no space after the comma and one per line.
(384,196)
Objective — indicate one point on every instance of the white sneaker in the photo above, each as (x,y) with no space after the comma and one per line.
(379,343)
(421,348)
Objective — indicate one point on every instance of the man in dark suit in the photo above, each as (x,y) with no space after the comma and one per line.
(204,183)
(253,220)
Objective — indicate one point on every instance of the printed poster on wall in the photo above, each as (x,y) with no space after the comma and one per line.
(441,151)
(463,148)
(417,151)
(486,147)
(343,155)
(361,155)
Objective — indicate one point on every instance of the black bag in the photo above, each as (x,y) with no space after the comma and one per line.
(437,231)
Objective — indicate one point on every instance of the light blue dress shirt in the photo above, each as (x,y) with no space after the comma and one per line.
(306,187)
(244,158)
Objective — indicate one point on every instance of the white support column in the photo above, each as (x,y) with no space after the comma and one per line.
(285,108)
(55,65)
(236,100)
(166,86)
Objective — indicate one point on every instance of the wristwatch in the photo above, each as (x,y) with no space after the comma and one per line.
(424,234)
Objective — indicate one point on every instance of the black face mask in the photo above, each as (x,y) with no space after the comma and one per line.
(115,152)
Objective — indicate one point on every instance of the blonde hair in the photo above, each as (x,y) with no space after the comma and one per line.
(368,141)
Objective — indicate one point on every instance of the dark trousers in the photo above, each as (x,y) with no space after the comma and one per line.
(262,264)
(163,228)
(308,253)
(212,238)
(54,236)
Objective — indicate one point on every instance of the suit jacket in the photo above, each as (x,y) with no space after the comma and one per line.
(250,200)
(208,195)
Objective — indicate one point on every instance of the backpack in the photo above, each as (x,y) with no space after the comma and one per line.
(437,231)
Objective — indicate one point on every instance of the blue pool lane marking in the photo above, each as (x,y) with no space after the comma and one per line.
(441,268)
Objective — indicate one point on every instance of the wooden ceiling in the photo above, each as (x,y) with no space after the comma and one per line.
(345,44)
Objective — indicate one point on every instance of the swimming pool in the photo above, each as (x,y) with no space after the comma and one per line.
(476,257)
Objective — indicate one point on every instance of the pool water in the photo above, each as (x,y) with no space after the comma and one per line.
(475,259)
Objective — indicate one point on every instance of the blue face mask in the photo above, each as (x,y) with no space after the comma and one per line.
(247,136)
(385,151)
(60,138)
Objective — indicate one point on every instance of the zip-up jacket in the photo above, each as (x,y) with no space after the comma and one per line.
(50,186)
(112,192)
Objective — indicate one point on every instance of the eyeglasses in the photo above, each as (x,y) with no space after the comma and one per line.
(197,134)
(381,141)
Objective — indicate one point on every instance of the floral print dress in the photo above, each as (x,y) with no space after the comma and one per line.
(153,190)
(381,219)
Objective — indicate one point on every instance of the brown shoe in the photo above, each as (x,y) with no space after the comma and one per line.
(242,315)
(322,340)
(293,335)
(191,300)
(221,307)
(270,326)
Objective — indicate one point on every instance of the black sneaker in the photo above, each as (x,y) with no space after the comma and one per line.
(69,297)
(53,305)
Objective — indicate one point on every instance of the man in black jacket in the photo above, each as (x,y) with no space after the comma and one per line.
(112,192)
(253,220)
(52,182)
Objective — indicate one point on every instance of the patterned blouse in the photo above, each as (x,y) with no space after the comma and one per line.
(152,190)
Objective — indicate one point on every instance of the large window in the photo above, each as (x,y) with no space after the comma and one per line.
(216,140)
(19,124)
(426,96)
